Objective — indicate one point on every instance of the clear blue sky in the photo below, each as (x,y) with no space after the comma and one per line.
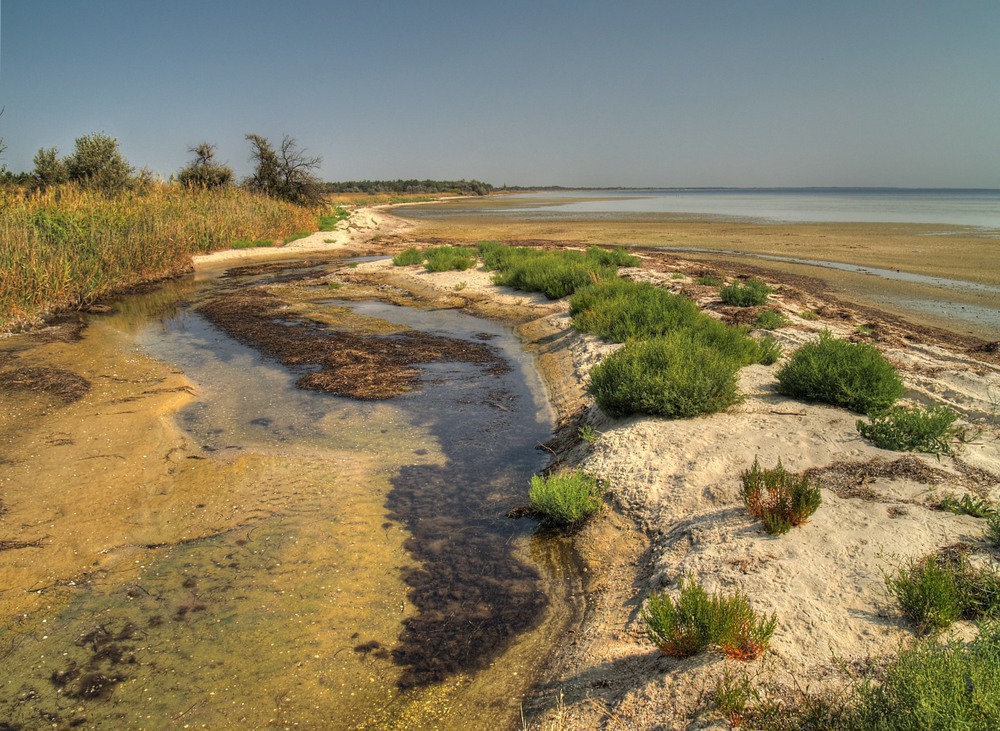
(667,92)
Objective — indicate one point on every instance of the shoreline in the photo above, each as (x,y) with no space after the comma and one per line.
(673,487)
(676,512)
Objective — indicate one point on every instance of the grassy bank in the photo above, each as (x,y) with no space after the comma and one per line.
(68,247)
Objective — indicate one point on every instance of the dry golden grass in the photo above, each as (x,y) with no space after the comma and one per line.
(67,247)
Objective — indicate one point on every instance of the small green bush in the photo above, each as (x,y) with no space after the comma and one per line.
(770,351)
(912,429)
(674,376)
(856,376)
(808,315)
(295,237)
(778,499)
(255,244)
(587,433)
(409,257)
(770,320)
(448,258)
(751,293)
(617,256)
(709,281)
(936,590)
(698,619)
(927,593)
(565,498)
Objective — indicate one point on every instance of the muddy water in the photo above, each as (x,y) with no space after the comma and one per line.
(280,558)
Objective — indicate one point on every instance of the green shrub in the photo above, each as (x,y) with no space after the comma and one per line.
(673,376)
(698,619)
(411,256)
(498,256)
(587,433)
(808,315)
(912,429)
(617,256)
(856,376)
(770,320)
(933,686)
(255,244)
(555,274)
(565,498)
(751,293)
(778,499)
(203,171)
(448,258)
(936,590)
(620,310)
(296,237)
(770,351)
(927,593)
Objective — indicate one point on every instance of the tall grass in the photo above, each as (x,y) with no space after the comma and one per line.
(67,247)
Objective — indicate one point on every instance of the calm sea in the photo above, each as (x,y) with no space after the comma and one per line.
(946,207)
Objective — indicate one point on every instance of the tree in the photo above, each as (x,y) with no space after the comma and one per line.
(203,171)
(286,173)
(49,169)
(97,163)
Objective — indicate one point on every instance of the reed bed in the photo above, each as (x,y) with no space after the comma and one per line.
(67,247)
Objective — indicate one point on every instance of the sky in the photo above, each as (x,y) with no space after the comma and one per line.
(687,93)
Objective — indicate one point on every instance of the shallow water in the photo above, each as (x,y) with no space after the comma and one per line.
(372,579)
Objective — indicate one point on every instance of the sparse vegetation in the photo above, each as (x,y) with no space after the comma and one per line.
(697,620)
(565,498)
(295,237)
(778,499)
(587,433)
(770,351)
(936,590)
(328,222)
(993,530)
(709,281)
(750,293)
(675,376)
(912,429)
(808,315)
(555,274)
(855,376)
(770,320)
(968,505)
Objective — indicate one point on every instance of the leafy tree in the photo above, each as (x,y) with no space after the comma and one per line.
(49,169)
(203,171)
(97,163)
(286,173)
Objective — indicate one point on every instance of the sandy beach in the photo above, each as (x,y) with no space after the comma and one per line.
(673,508)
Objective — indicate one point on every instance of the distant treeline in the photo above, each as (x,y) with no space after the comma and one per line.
(371,187)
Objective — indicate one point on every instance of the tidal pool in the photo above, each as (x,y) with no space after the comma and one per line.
(292,558)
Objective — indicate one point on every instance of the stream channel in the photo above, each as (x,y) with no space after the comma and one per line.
(354,567)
